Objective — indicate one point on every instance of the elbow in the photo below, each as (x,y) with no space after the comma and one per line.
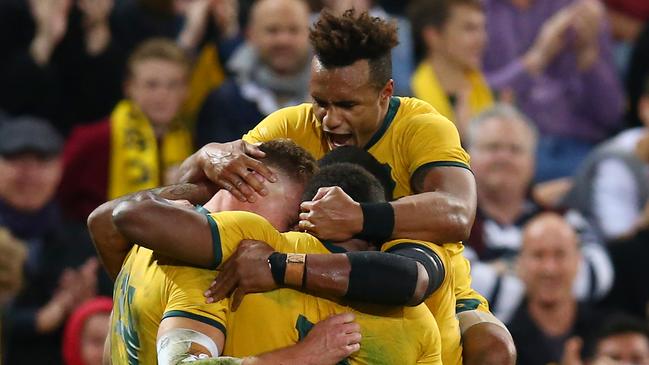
(459,225)
(488,344)
(127,216)
(98,216)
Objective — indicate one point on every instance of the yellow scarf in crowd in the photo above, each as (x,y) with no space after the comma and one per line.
(426,87)
(135,161)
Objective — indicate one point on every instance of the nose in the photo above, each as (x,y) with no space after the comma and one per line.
(332,119)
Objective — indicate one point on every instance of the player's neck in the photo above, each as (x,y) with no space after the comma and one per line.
(450,75)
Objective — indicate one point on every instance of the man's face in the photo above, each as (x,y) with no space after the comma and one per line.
(279,29)
(502,156)
(463,37)
(29,181)
(548,260)
(280,207)
(158,88)
(349,107)
(626,348)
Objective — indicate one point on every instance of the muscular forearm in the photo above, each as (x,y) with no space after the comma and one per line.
(111,245)
(151,220)
(434,217)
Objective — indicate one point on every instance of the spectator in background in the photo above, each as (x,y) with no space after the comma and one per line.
(271,70)
(502,143)
(403,55)
(611,189)
(60,60)
(548,264)
(86,331)
(30,170)
(140,144)
(449,78)
(619,340)
(555,56)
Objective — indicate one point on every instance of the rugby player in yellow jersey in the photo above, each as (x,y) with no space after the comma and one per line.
(155,300)
(392,334)
(353,104)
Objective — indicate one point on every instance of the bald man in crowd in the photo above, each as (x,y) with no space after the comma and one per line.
(270,71)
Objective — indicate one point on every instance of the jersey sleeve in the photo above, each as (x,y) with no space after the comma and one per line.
(466,298)
(274,126)
(229,228)
(186,288)
(433,140)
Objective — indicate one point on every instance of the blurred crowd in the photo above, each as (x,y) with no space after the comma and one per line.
(551,98)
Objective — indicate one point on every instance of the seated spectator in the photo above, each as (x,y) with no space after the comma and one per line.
(140,144)
(502,143)
(86,331)
(270,71)
(555,57)
(621,339)
(30,170)
(611,189)
(60,60)
(550,314)
(449,78)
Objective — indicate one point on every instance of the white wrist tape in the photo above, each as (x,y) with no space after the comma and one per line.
(174,346)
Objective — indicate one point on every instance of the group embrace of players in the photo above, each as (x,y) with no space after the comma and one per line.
(331,234)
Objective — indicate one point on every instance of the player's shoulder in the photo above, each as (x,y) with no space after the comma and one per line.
(297,113)
(418,114)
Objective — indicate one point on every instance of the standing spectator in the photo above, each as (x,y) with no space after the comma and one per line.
(555,56)
(271,71)
(502,143)
(611,189)
(550,314)
(86,331)
(30,170)
(449,78)
(140,144)
(60,60)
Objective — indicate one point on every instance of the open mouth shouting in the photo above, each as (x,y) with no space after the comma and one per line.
(339,139)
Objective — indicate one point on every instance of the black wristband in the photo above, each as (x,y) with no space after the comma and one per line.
(378,222)
(277,263)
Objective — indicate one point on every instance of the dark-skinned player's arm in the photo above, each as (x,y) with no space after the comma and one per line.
(441,210)
(111,245)
(404,275)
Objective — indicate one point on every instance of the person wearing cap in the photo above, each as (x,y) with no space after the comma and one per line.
(30,171)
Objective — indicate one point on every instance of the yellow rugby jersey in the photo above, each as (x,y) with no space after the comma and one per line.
(267,321)
(413,135)
(145,293)
(441,303)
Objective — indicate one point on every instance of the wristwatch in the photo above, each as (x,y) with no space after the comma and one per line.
(295,263)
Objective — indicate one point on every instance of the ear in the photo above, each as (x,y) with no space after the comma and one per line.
(431,37)
(387,91)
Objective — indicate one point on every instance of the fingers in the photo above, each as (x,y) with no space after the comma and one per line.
(253,150)
(237,297)
(322,192)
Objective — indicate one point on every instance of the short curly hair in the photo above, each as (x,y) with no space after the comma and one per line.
(340,41)
(290,159)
